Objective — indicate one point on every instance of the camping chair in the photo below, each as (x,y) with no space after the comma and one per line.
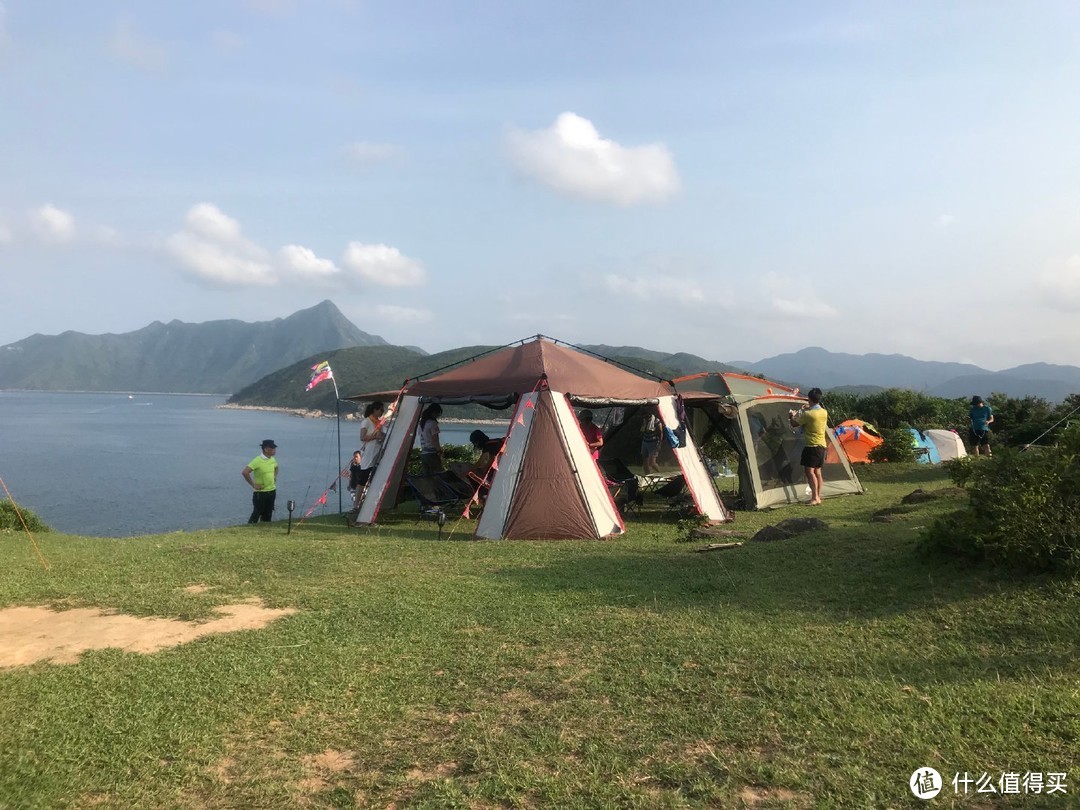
(435,492)
(622,484)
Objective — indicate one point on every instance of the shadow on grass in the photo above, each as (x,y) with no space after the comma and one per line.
(839,575)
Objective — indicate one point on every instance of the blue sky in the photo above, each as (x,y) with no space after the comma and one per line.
(734,180)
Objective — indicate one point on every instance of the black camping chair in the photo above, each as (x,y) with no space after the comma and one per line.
(622,484)
(436,492)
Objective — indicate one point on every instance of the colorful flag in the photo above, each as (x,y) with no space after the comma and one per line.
(320,372)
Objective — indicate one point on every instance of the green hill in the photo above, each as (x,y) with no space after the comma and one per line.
(216,357)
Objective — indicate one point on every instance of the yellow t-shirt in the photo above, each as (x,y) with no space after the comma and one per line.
(264,471)
(813,423)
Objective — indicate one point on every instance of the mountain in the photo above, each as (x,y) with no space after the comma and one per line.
(831,370)
(677,364)
(358,370)
(216,357)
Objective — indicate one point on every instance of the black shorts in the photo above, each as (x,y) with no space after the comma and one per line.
(813,457)
(979,437)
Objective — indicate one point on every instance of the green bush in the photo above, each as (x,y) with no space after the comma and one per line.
(1023,513)
(451,453)
(960,469)
(9,518)
(897,446)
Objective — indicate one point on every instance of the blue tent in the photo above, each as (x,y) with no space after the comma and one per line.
(926,451)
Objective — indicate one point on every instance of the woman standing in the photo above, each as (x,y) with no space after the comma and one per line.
(371,436)
(430,448)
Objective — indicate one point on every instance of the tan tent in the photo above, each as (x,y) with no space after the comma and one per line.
(546,484)
(752,416)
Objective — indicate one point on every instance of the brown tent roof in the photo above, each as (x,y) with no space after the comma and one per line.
(518,369)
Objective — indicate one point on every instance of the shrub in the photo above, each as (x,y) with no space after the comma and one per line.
(451,453)
(9,518)
(960,469)
(897,446)
(1024,510)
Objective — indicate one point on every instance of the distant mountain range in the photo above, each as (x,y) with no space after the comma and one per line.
(267,363)
(825,369)
(216,357)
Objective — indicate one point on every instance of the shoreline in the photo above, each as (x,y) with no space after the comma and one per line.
(316,413)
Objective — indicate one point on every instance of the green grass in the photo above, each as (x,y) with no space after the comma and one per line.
(818,671)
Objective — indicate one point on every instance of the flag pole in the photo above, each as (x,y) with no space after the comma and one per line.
(337,408)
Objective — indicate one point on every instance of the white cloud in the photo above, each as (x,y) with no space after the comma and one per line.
(795,298)
(406,315)
(383,265)
(572,159)
(212,248)
(135,49)
(6,234)
(655,288)
(107,236)
(304,264)
(53,224)
(1059,284)
(364,153)
(945,220)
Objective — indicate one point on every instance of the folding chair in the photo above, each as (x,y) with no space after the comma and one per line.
(434,494)
(622,484)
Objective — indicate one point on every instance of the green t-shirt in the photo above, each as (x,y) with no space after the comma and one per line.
(263,471)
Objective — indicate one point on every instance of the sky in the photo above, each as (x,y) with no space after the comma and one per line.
(733,180)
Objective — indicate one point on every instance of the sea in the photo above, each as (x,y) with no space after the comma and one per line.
(122,465)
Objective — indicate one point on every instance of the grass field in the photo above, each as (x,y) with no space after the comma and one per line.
(818,671)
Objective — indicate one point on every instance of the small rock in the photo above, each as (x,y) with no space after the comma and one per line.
(924,495)
(802,525)
(770,534)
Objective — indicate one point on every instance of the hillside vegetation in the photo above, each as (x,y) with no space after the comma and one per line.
(214,357)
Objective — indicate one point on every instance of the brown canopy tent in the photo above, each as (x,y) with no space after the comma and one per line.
(545,484)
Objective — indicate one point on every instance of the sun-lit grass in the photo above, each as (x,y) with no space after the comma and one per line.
(816,671)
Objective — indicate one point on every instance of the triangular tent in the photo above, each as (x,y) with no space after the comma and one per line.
(858,438)
(546,484)
(948,442)
(752,415)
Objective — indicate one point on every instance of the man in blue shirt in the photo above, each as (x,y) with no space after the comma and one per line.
(982,416)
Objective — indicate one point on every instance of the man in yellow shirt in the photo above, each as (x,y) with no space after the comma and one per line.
(814,422)
(261,474)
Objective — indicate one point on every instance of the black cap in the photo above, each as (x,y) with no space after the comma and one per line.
(268,443)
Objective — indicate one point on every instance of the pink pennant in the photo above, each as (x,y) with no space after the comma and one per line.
(530,404)
(520,420)
(495,463)
(466,514)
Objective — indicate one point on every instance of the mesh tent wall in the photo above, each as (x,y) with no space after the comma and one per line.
(752,416)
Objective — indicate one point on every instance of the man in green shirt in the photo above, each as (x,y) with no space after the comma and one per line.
(814,423)
(261,474)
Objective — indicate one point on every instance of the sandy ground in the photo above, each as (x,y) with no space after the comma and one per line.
(32,634)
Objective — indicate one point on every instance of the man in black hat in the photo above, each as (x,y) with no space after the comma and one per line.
(982,416)
(261,474)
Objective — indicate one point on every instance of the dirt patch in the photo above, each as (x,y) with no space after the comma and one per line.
(32,634)
(196,589)
(753,796)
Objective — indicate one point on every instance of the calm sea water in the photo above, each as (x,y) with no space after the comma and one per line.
(117,465)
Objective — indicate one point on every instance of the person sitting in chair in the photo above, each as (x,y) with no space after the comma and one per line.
(489,448)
